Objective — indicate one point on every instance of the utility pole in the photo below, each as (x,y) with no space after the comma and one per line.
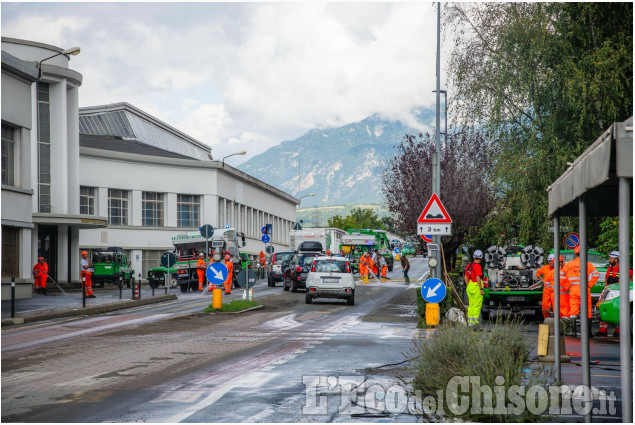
(436,156)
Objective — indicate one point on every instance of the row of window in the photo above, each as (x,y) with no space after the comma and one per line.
(251,220)
(188,207)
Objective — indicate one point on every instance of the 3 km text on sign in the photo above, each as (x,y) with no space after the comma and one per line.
(434,229)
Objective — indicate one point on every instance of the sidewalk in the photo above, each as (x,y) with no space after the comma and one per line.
(68,304)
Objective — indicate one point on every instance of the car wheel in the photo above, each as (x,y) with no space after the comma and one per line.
(308,299)
(294,287)
(351,300)
(284,286)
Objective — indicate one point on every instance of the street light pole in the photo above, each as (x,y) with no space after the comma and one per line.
(72,51)
(237,153)
(436,158)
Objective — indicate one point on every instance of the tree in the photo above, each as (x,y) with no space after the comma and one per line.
(467,191)
(545,80)
(359,218)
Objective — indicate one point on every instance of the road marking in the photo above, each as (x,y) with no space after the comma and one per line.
(207,401)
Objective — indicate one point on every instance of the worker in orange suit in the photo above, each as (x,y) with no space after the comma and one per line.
(40,274)
(572,271)
(201,266)
(547,288)
(364,264)
(262,258)
(86,268)
(384,268)
(230,274)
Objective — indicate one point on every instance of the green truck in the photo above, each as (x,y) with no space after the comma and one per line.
(511,285)
(359,241)
(188,246)
(111,265)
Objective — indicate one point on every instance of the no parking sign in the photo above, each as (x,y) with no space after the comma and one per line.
(571,240)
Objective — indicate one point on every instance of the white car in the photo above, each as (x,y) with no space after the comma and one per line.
(330,277)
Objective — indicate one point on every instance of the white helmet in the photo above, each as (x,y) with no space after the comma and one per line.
(478,254)
(551,257)
(615,254)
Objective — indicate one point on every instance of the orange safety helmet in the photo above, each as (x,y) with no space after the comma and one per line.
(577,249)
(84,253)
(40,258)
(328,252)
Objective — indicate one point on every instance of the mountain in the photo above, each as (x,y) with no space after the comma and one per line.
(341,164)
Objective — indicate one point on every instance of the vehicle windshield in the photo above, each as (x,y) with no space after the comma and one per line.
(307,259)
(596,259)
(325,266)
(283,257)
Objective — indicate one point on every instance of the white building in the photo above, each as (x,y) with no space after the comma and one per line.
(134,183)
(40,164)
(154,182)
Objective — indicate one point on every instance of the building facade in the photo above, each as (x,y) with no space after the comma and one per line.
(154,182)
(40,165)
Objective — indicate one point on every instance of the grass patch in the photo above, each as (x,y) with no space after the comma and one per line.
(499,350)
(233,306)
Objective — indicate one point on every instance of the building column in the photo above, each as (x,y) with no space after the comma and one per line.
(170,210)
(74,252)
(59,148)
(72,125)
(135,211)
(27,261)
(102,202)
(62,252)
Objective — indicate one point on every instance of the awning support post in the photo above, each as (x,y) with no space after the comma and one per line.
(556,289)
(625,319)
(583,315)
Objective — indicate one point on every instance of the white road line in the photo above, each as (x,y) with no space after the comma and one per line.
(207,401)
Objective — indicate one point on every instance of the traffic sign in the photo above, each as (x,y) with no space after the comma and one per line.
(433,291)
(269,227)
(571,240)
(263,230)
(270,249)
(265,238)
(434,212)
(168,259)
(216,273)
(251,277)
(426,238)
(396,250)
(207,231)
(428,229)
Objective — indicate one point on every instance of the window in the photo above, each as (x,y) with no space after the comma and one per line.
(44,148)
(9,155)
(118,207)
(87,200)
(10,251)
(152,209)
(188,207)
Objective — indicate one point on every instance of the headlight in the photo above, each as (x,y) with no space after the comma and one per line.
(611,293)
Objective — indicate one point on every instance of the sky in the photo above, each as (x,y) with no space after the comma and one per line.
(244,76)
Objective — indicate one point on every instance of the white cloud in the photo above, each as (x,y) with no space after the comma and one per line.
(249,75)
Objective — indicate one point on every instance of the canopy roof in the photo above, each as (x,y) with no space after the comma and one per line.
(595,174)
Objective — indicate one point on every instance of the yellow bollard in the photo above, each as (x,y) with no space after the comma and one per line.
(432,314)
(397,257)
(217,298)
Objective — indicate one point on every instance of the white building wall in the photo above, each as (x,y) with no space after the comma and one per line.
(59,148)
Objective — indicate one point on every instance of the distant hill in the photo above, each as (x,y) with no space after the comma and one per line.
(341,165)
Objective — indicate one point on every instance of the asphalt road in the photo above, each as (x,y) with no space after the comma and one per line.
(171,363)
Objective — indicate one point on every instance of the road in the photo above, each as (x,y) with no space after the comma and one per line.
(172,363)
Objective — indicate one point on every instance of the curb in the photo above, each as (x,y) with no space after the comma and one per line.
(258,307)
(104,308)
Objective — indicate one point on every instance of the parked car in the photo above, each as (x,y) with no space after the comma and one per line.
(330,277)
(608,306)
(297,269)
(275,269)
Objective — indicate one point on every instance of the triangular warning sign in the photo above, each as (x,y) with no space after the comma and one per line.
(434,212)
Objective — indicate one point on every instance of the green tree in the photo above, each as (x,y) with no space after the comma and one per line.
(359,218)
(545,80)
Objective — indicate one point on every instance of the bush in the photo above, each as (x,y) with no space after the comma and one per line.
(460,351)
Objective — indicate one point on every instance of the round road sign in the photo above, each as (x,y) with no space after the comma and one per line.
(265,238)
(433,291)
(216,273)
(168,259)
(571,240)
(270,249)
(251,277)
(207,231)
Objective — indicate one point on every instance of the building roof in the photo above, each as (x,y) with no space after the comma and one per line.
(125,122)
(19,67)
(118,144)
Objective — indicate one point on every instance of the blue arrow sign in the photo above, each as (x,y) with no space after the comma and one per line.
(433,291)
(265,238)
(216,273)
(396,250)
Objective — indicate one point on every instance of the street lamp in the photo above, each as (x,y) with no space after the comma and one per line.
(237,153)
(72,51)
(445,103)
(300,198)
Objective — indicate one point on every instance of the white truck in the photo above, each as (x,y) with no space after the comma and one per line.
(329,237)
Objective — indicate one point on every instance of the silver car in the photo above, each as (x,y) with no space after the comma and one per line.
(330,277)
